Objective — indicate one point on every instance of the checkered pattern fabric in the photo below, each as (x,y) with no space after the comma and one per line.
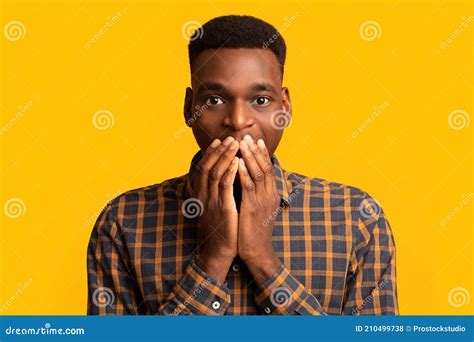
(334,241)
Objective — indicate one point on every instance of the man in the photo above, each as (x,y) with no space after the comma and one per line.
(238,234)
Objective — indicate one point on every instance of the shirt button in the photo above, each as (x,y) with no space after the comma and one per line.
(267,310)
(236,268)
(216,305)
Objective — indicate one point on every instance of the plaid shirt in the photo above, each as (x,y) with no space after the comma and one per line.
(334,241)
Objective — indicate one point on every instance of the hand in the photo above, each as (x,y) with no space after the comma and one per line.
(260,202)
(218,224)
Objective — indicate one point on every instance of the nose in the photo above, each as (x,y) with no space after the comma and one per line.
(239,117)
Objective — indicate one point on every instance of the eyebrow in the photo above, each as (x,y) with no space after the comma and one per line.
(263,87)
(220,87)
(210,86)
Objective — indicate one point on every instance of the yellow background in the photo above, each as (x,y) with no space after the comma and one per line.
(130,58)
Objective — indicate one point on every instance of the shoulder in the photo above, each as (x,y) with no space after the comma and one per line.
(366,212)
(166,189)
(323,187)
(144,199)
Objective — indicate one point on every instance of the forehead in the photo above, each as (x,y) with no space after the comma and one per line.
(234,67)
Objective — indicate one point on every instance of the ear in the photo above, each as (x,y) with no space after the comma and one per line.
(285,100)
(188,107)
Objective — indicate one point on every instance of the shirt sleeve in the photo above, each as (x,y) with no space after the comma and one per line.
(112,285)
(112,289)
(370,287)
(196,293)
(283,294)
(371,283)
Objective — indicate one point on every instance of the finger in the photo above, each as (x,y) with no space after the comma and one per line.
(251,164)
(219,168)
(246,182)
(265,162)
(212,154)
(226,183)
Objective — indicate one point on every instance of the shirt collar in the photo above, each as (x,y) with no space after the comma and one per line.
(283,186)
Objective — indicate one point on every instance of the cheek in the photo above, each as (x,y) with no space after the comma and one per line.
(206,128)
(208,122)
(202,138)
(271,135)
(211,118)
(274,140)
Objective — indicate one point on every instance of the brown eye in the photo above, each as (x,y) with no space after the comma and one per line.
(261,101)
(214,100)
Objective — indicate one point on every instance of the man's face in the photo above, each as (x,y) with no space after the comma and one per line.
(234,93)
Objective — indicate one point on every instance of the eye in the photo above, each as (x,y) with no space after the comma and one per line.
(214,100)
(262,100)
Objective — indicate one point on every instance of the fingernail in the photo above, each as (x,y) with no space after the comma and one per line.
(215,143)
(248,138)
(261,144)
(228,140)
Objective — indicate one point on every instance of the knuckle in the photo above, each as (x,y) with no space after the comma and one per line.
(214,175)
(220,149)
(268,169)
(229,154)
(199,169)
(249,186)
(251,210)
(202,168)
(259,176)
(224,183)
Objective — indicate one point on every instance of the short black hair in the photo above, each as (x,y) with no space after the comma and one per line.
(237,31)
